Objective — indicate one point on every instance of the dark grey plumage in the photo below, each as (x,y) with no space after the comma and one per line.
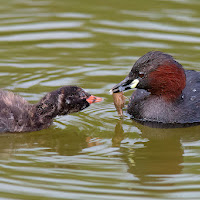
(185,111)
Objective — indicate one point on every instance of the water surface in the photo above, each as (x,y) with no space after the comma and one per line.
(46,44)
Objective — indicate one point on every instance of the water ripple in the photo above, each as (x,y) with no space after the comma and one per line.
(40,26)
(59,35)
(150,35)
(149,26)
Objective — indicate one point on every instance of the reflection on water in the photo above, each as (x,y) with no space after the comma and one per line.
(159,159)
(55,161)
(93,154)
(160,155)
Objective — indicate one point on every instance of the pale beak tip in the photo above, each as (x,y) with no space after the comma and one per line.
(134,83)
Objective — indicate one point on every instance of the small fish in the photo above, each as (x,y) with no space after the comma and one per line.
(119,101)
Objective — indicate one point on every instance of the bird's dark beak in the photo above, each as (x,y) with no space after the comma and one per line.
(127,84)
(92,99)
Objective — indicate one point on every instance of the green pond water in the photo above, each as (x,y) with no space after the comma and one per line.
(93,155)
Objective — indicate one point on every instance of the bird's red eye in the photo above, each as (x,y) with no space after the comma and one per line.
(141,74)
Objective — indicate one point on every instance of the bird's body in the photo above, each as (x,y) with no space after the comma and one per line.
(185,110)
(166,94)
(17,115)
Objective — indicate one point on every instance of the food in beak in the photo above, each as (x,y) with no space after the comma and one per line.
(119,101)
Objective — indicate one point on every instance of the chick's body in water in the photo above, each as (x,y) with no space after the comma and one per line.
(119,101)
(17,115)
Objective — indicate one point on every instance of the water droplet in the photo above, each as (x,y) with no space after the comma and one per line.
(194,90)
(193,98)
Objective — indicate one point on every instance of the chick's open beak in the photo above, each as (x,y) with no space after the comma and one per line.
(92,99)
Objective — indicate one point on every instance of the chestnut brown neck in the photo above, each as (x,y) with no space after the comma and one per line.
(167,81)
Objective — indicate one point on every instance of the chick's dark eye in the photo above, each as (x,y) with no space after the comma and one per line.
(82,95)
(141,74)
